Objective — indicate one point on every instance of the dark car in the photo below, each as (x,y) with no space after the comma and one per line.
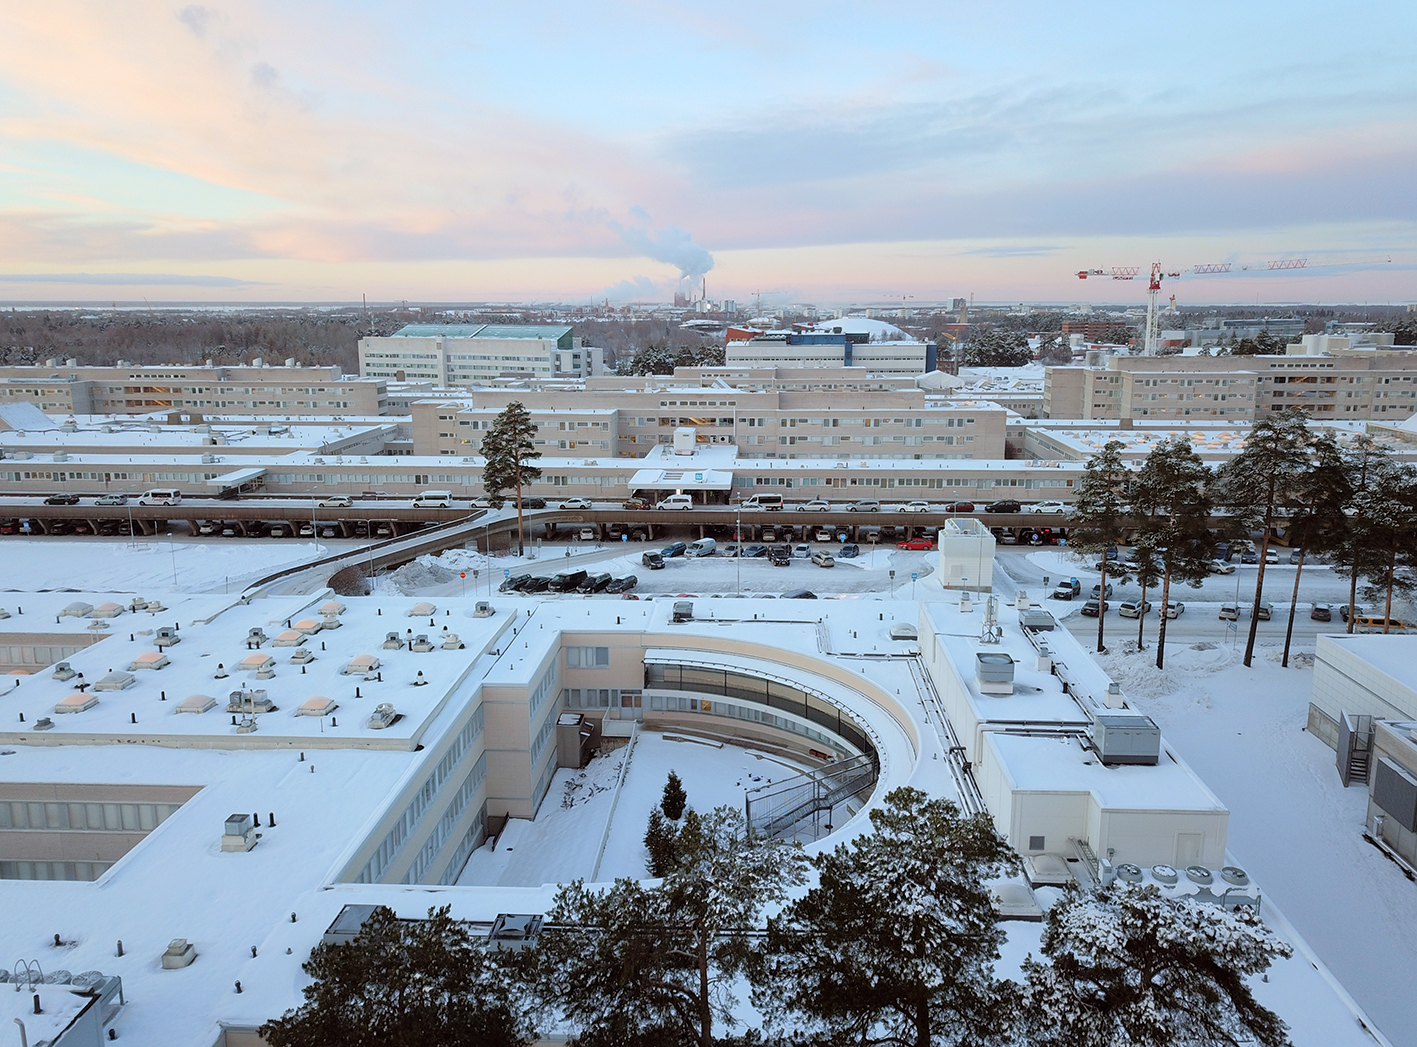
(536,583)
(653,559)
(637,503)
(800,594)
(848,552)
(780,556)
(62,499)
(533,503)
(1007,505)
(566,581)
(1249,556)
(755,550)
(958,507)
(1322,612)
(673,549)
(595,583)
(514,584)
(1090,608)
(622,585)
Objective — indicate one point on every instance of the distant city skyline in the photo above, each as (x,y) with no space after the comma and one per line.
(816,153)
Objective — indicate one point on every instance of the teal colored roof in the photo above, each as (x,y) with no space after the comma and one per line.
(438,330)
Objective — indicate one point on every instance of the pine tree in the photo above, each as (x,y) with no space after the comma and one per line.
(1147,574)
(674,798)
(896,943)
(1128,966)
(1383,520)
(632,964)
(1098,518)
(1261,483)
(1365,462)
(509,449)
(1320,524)
(414,983)
(662,842)
(1171,504)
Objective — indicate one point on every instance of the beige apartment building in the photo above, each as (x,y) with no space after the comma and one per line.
(245,390)
(1338,384)
(627,417)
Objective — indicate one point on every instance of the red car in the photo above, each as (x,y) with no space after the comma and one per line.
(957,507)
(915,543)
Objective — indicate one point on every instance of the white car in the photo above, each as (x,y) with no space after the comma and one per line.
(816,505)
(336,501)
(1221,567)
(576,503)
(1046,507)
(917,506)
(1175,608)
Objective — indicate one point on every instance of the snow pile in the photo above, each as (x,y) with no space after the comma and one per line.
(416,577)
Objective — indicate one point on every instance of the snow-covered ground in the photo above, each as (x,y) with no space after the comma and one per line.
(563,842)
(153,564)
(1292,825)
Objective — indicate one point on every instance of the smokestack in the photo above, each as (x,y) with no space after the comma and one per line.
(703,290)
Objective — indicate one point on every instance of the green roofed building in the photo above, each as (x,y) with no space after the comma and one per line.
(464,354)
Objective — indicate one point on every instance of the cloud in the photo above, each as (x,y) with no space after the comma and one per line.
(639,289)
(195,17)
(668,244)
(1014,250)
(127,279)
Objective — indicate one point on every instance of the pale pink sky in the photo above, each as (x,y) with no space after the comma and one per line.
(822,152)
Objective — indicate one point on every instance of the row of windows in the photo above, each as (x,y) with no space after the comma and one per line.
(587,657)
(471,840)
(92,817)
(85,871)
(389,846)
(600,698)
(543,736)
(451,813)
(543,690)
(681,703)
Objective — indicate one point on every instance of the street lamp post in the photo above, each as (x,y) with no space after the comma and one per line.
(738,540)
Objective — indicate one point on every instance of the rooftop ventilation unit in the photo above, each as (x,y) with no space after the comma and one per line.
(382,717)
(994,670)
(514,931)
(239,834)
(482,609)
(1126,737)
(180,953)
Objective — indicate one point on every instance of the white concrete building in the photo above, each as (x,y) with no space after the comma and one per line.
(461,354)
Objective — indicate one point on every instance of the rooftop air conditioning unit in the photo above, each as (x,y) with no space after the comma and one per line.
(238,835)
(1126,737)
(994,670)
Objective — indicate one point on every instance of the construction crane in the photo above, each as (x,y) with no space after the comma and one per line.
(1151,341)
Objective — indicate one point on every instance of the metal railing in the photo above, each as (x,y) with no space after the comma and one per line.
(772,810)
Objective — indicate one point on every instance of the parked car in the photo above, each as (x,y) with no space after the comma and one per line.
(824,559)
(871,534)
(1049,507)
(732,549)
(1097,591)
(1221,567)
(915,543)
(865,505)
(802,551)
(755,550)
(1134,608)
(780,556)
(1006,505)
(919,505)
(1175,608)
(677,501)
(586,534)
(577,503)
(622,585)
(1295,555)
(533,503)
(111,499)
(306,531)
(674,549)
(799,594)
(1321,612)
(635,503)
(1358,611)
(536,583)
(336,501)
(1067,589)
(206,527)
(653,559)
(816,505)
(958,507)
(567,581)
(824,534)
(62,499)
(1249,556)
(850,551)
(1091,608)
(1271,556)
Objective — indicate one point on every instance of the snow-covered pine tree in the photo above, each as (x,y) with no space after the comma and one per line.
(896,943)
(632,964)
(672,804)
(416,983)
(508,451)
(662,842)
(1127,967)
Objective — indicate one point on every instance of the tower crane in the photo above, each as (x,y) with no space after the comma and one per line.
(1151,342)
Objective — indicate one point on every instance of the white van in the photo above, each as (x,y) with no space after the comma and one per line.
(433,499)
(703,547)
(764,501)
(161,497)
(677,501)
